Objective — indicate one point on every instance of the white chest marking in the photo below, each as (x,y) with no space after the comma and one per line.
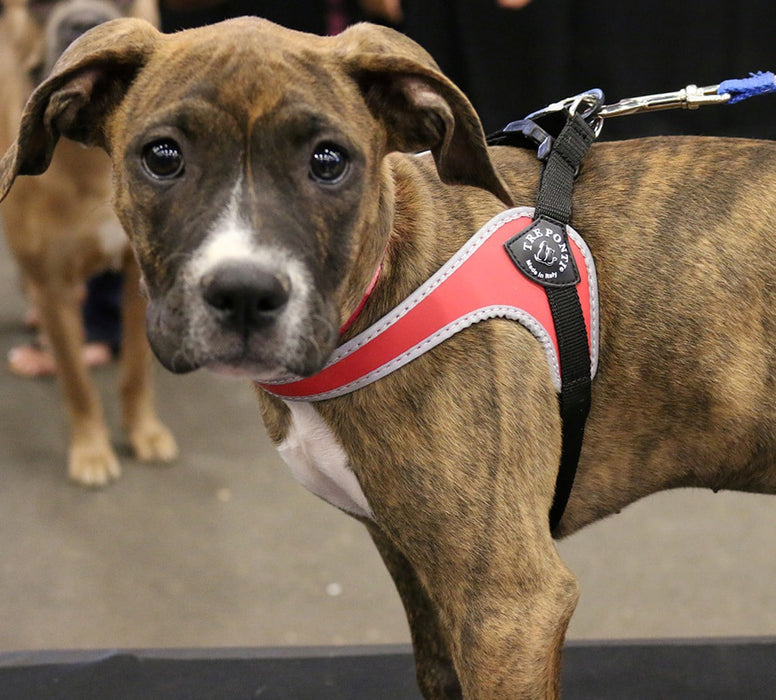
(113,241)
(319,463)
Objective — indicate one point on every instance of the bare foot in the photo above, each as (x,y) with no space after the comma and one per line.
(33,361)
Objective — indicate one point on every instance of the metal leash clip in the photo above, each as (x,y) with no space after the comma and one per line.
(690,97)
(590,105)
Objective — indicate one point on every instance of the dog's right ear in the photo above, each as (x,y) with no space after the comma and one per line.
(85,86)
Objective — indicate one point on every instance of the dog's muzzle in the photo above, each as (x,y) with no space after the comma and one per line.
(243,317)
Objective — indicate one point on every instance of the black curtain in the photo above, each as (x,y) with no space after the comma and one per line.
(511,62)
(302,15)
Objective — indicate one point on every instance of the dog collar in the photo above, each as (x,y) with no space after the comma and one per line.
(345,326)
(479,282)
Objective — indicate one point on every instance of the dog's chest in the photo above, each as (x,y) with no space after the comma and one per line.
(318,461)
(113,242)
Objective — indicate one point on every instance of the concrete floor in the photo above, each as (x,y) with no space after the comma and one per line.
(223,549)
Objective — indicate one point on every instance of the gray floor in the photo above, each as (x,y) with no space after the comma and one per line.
(224,549)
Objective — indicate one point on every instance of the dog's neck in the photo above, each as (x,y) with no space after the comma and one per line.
(404,260)
(345,326)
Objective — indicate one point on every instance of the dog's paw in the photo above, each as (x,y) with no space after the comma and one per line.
(153,442)
(93,464)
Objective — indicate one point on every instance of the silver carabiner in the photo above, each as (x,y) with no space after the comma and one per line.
(690,97)
(591,97)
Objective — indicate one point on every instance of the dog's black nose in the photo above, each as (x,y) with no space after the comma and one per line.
(246,297)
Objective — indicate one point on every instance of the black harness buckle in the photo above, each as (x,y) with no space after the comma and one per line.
(531,132)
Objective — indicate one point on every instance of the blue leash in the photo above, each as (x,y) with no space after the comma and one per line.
(591,103)
(756,84)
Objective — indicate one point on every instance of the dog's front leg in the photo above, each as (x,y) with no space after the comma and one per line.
(434,664)
(460,476)
(505,623)
(510,644)
(149,437)
(91,460)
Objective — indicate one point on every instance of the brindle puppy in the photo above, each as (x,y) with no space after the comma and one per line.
(218,137)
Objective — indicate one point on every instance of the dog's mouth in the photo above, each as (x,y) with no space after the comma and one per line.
(260,359)
(241,310)
(260,345)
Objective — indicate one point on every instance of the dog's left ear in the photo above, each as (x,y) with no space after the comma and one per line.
(420,107)
(85,86)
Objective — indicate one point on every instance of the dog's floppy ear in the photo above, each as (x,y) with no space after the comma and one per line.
(420,108)
(84,87)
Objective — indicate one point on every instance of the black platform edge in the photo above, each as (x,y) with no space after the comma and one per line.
(679,668)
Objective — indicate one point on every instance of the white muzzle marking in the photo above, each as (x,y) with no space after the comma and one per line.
(232,239)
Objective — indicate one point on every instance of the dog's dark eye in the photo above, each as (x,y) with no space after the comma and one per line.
(329,163)
(163,159)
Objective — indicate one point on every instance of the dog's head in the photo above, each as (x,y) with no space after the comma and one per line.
(250,173)
(40,30)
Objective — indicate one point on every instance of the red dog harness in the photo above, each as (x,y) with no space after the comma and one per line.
(478,283)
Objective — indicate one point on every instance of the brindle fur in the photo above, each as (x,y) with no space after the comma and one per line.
(457,453)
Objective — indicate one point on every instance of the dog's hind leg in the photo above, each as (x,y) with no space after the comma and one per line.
(435,671)
(149,437)
(91,460)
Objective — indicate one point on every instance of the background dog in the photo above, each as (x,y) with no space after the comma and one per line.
(265,184)
(61,229)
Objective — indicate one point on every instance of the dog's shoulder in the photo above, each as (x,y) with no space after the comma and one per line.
(520,169)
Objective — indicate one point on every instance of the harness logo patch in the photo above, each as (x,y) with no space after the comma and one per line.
(542,253)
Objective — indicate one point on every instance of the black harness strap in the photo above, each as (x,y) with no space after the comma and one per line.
(557,273)
(554,201)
